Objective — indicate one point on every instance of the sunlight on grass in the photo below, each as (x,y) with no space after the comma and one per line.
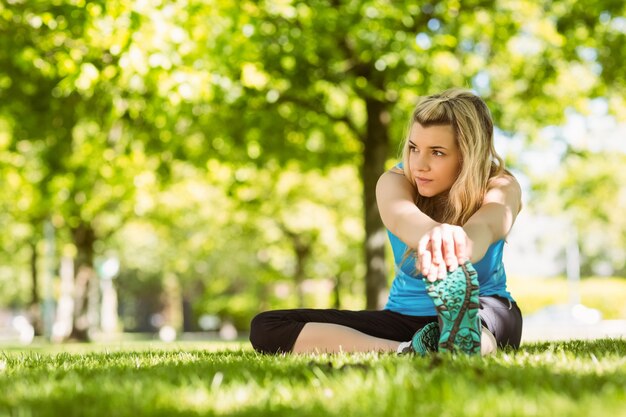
(577,378)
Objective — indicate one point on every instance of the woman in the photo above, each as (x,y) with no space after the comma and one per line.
(448,208)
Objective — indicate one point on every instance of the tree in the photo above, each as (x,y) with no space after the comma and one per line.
(100,96)
(61,90)
(330,81)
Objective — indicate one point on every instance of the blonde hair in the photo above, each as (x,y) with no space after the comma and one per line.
(471,121)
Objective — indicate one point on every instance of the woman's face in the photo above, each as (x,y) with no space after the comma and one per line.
(434,158)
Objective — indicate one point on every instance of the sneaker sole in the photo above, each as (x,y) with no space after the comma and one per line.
(426,340)
(456,301)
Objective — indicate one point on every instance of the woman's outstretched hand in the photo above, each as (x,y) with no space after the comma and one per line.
(442,249)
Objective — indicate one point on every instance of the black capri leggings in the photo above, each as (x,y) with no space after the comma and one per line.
(276,331)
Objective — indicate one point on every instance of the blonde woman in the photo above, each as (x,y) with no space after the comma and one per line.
(448,207)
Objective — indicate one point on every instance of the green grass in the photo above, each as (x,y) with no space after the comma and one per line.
(548,379)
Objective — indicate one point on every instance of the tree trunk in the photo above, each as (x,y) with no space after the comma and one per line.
(302,245)
(376,148)
(35,301)
(172,315)
(86,280)
(302,250)
(337,292)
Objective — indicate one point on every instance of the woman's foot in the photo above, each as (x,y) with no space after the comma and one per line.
(488,343)
(425,340)
(456,301)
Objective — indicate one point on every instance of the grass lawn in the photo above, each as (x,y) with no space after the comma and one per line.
(546,379)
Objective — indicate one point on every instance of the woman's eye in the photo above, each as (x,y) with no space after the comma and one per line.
(412,149)
(438,153)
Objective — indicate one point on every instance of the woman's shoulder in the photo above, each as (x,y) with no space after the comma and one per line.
(503,178)
(504,181)
(504,187)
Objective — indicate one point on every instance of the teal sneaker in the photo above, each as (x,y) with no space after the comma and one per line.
(425,340)
(456,301)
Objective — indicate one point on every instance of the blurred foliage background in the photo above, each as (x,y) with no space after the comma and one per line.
(226,152)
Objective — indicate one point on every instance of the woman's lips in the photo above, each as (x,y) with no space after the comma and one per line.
(422,181)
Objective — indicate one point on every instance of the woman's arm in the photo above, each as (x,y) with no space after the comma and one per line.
(446,247)
(395,197)
(495,218)
(396,203)
(442,247)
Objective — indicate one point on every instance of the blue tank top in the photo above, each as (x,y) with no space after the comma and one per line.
(408,292)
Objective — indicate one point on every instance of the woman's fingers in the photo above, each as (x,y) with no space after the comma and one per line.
(424,255)
(460,245)
(440,250)
(435,244)
(448,246)
(433,273)
(443,271)
(437,271)
(425,263)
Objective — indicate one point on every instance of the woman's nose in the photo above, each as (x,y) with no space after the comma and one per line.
(419,163)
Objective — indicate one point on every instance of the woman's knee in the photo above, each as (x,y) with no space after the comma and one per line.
(258,335)
(269,332)
(503,319)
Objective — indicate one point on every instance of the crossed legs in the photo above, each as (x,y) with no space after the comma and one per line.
(309,330)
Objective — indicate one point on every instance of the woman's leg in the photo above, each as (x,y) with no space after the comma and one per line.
(503,319)
(488,343)
(458,305)
(333,338)
(309,330)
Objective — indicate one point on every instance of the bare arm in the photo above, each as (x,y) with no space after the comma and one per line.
(443,246)
(395,197)
(495,218)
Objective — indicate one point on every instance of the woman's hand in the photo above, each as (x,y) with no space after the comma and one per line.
(442,249)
